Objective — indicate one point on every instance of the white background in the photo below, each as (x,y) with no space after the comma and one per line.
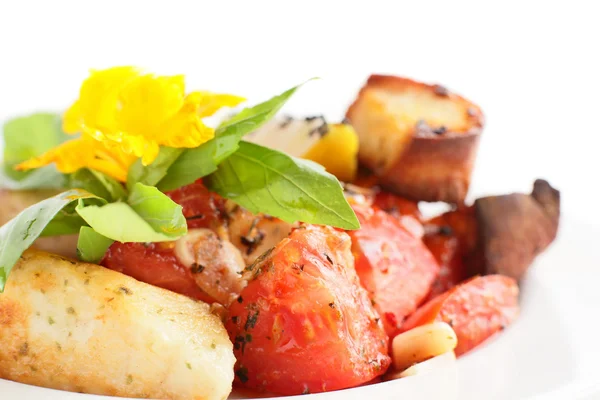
(532,66)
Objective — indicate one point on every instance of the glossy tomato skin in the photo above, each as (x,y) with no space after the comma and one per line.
(202,208)
(303,324)
(476,310)
(393,265)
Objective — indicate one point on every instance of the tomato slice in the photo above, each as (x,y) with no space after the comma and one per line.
(201,208)
(476,309)
(156,264)
(303,324)
(393,265)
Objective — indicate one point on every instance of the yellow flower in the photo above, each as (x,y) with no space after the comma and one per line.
(123,114)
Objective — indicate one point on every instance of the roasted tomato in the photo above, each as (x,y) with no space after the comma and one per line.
(201,208)
(476,309)
(397,205)
(156,264)
(304,324)
(393,265)
(452,239)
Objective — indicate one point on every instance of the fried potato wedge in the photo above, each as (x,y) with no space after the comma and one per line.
(515,228)
(420,140)
(13,202)
(84,328)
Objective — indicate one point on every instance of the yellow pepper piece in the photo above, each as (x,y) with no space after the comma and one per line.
(337,151)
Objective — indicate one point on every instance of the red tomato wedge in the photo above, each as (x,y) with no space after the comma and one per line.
(156,264)
(393,265)
(303,324)
(201,208)
(476,310)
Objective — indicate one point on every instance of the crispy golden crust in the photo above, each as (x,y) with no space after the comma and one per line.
(81,327)
(515,228)
(420,140)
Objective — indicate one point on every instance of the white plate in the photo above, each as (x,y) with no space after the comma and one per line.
(552,351)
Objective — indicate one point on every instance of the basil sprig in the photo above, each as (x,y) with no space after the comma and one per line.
(269,181)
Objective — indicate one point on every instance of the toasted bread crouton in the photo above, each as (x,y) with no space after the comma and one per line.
(515,228)
(419,139)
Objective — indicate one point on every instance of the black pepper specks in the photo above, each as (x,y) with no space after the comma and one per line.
(125,290)
(197,268)
(445,230)
(242,374)
(328,258)
(441,130)
(441,91)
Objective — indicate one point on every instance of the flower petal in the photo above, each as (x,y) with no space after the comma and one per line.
(208,103)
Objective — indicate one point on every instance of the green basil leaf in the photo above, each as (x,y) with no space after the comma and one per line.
(271,182)
(120,222)
(91,246)
(203,160)
(152,174)
(28,137)
(190,166)
(66,222)
(156,208)
(41,178)
(149,216)
(20,232)
(98,183)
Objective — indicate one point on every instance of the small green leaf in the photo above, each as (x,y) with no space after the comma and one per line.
(119,222)
(271,182)
(91,246)
(149,216)
(19,233)
(158,210)
(203,160)
(98,183)
(28,137)
(152,174)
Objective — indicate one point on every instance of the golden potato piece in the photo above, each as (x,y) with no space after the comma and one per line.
(84,328)
(419,139)
(13,202)
(515,228)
